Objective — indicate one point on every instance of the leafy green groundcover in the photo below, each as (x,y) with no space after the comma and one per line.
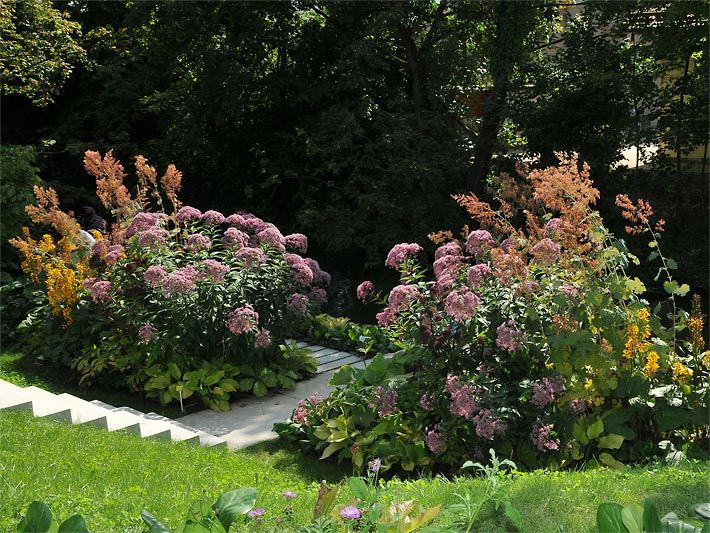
(109,478)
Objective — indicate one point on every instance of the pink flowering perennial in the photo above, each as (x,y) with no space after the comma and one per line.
(461,304)
(242,320)
(400,252)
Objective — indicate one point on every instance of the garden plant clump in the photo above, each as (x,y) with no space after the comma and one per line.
(532,339)
(166,299)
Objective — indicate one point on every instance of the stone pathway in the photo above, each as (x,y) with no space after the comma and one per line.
(251,419)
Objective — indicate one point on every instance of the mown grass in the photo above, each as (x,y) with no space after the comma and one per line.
(25,371)
(110,477)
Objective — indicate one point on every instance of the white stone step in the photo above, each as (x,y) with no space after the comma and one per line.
(333,356)
(13,397)
(351,359)
(44,404)
(153,423)
(84,412)
(205,439)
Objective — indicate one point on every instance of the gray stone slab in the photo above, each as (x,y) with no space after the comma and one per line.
(337,364)
(322,353)
(335,356)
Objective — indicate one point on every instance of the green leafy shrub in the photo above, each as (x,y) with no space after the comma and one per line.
(174,303)
(615,518)
(344,334)
(18,176)
(533,340)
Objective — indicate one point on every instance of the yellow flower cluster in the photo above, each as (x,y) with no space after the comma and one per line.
(637,343)
(53,263)
(651,364)
(681,373)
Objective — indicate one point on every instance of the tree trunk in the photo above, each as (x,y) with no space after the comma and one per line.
(514,21)
(683,83)
(417,76)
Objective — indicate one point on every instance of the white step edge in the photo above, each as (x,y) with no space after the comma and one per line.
(45,404)
(12,397)
(156,428)
(205,439)
(337,364)
(89,413)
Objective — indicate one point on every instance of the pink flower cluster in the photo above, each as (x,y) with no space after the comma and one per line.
(450,248)
(188,213)
(233,239)
(144,221)
(215,270)
(298,303)
(147,333)
(297,242)
(154,275)
(385,401)
(386,316)
(213,218)
(400,252)
(252,257)
(552,225)
(197,242)
(302,273)
(577,406)
(447,265)
(461,304)
(479,242)
(242,320)
(463,402)
(545,252)
(273,237)
(318,296)
(509,337)
(153,238)
(262,339)
(401,296)
(320,276)
(477,273)
(488,425)
(435,441)
(545,391)
(100,290)
(305,406)
(540,437)
(180,281)
(364,290)
(427,402)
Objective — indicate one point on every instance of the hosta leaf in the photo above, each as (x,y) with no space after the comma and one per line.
(73,524)
(234,503)
(154,525)
(37,520)
(632,517)
(612,441)
(595,429)
(609,518)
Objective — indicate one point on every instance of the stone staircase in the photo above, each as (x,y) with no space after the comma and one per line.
(74,410)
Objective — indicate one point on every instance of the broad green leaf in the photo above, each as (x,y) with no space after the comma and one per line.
(595,429)
(651,520)
(174,370)
(234,503)
(608,460)
(73,524)
(609,518)
(359,488)
(513,515)
(579,432)
(37,520)
(612,441)
(342,377)
(259,388)
(332,448)
(671,264)
(326,500)
(154,525)
(632,517)
(636,286)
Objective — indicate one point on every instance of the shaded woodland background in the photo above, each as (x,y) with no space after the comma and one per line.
(354,122)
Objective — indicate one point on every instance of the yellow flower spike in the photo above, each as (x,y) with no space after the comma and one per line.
(652,365)
(681,373)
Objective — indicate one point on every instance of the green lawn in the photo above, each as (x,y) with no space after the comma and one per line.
(26,371)
(110,477)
